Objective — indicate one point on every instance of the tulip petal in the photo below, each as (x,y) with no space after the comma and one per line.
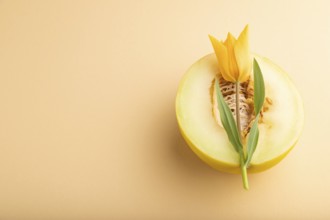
(232,64)
(242,54)
(222,56)
(232,38)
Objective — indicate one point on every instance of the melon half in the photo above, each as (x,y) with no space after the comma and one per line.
(279,130)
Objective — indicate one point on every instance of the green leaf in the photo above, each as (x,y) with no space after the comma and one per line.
(252,141)
(259,87)
(259,98)
(228,120)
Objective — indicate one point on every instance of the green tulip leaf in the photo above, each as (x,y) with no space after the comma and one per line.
(228,120)
(252,141)
(259,87)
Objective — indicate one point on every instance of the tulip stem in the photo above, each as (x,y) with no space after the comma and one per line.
(244,171)
(238,116)
(241,153)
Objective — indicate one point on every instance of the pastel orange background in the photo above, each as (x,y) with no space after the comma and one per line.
(87,117)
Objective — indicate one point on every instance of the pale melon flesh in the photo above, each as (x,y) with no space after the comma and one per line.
(279,132)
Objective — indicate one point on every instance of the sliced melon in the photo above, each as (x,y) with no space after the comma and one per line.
(279,131)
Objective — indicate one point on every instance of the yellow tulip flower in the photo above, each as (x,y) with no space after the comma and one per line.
(233,56)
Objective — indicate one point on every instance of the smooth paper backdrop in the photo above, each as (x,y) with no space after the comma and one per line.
(87,117)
